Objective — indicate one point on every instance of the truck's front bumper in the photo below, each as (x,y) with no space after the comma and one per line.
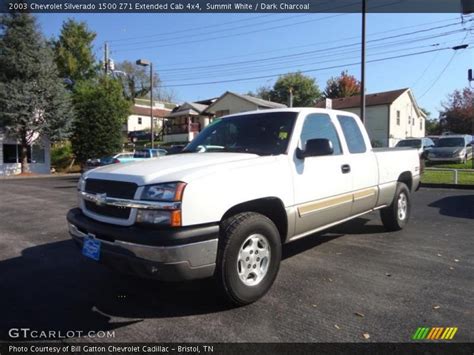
(169,255)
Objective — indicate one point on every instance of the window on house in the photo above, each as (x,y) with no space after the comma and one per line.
(139,120)
(12,154)
(398,118)
(421,124)
(409,119)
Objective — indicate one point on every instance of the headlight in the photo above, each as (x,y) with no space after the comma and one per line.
(172,191)
(160,217)
(81,184)
(461,153)
(168,192)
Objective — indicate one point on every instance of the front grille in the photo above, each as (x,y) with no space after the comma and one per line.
(108,211)
(116,189)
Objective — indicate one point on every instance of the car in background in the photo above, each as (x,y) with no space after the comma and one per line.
(423,145)
(124,157)
(148,153)
(435,139)
(456,148)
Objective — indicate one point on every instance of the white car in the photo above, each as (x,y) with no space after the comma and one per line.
(261,179)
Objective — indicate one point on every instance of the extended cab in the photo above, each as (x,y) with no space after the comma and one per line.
(241,189)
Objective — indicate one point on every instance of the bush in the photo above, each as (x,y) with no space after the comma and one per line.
(61,155)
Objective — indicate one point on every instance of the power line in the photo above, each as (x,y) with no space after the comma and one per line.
(223,36)
(211,32)
(307,71)
(214,59)
(292,65)
(439,76)
(307,52)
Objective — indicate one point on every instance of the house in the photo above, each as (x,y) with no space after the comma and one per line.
(389,117)
(139,119)
(230,103)
(185,122)
(39,156)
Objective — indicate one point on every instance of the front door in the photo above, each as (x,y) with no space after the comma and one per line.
(322,184)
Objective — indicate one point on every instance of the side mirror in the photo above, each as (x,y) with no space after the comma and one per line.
(315,148)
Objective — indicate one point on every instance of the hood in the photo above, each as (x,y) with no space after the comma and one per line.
(179,167)
(446,150)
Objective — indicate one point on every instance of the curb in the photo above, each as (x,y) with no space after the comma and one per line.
(448,186)
(46,176)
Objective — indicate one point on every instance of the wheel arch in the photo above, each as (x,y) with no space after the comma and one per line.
(407,178)
(271,207)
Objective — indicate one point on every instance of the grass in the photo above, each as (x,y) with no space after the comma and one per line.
(468,165)
(447,177)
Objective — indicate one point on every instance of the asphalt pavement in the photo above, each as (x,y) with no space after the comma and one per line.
(335,286)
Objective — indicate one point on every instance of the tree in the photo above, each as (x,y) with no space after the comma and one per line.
(344,85)
(136,82)
(263,92)
(101,111)
(73,52)
(305,90)
(458,111)
(33,99)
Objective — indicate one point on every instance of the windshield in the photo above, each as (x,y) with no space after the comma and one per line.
(451,142)
(260,133)
(415,143)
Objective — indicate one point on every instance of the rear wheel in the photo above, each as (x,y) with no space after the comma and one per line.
(395,216)
(248,258)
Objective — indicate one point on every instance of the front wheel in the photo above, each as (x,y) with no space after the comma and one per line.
(395,216)
(248,258)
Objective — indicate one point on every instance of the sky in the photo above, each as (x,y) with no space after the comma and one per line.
(206,49)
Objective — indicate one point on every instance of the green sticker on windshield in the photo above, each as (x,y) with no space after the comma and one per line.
(283,135)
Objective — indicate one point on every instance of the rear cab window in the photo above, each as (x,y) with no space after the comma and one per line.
(354,138)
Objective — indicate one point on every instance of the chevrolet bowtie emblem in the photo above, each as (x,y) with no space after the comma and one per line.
(100,199)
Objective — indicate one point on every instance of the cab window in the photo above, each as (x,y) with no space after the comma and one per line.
(319,125)
(350,128)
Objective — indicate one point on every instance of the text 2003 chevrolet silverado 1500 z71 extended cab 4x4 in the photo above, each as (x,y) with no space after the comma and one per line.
(242,188)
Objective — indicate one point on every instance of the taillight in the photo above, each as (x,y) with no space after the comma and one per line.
(116,161)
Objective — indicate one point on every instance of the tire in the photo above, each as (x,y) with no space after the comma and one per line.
(396,216)
(244,239)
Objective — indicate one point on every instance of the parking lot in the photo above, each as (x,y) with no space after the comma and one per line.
(334,286)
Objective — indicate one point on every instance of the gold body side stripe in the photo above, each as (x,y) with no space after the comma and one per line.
(335,201)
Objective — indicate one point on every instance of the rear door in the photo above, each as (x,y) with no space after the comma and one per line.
(363,164)
(322,187)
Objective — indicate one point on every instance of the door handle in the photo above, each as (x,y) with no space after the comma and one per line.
(346,168)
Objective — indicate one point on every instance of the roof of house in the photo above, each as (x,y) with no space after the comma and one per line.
(379,98)
(145,111)
(254,100)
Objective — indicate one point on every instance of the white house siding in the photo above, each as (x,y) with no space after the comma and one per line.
(376,122)
(408,113)
(15,168)
(134,125)
(233,104)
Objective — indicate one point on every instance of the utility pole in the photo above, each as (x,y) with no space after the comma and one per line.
(106,58)
(151,107)
(290,98)
(362,67)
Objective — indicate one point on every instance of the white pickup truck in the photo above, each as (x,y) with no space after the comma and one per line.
(242,188)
